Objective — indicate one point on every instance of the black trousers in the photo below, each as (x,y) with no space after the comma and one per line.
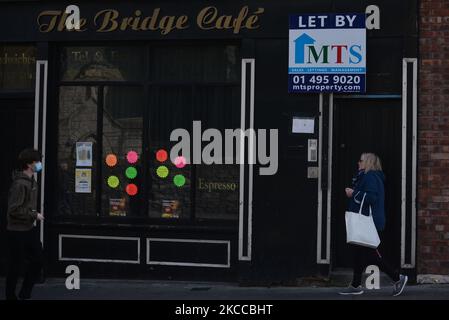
(363,257)
(24,254)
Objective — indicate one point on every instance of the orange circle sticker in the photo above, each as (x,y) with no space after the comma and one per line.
(111,160)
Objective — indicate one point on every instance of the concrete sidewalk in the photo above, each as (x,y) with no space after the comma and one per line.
(95,289)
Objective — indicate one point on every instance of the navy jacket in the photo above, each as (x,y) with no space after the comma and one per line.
(371,183)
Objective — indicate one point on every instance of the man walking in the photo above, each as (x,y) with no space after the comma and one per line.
(22,235)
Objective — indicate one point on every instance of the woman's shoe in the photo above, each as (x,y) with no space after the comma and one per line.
(399,286)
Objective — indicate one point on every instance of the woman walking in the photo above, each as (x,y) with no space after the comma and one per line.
(370,184)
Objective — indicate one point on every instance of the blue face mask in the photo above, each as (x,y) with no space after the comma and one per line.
(38,167)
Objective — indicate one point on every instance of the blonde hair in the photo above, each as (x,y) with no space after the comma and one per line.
(372,162)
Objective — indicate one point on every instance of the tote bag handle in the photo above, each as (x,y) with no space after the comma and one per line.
(361,206)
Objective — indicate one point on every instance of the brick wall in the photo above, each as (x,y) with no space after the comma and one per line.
(433,139)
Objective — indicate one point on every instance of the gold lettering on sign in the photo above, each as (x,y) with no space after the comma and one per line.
(51,20)
(251,23)
(208,19)
(109,20)
(167,24)
(181,23)
(224,22)
(17,59)
(212,186)
(238,24)
(61,24)
(135,23)
(149,23)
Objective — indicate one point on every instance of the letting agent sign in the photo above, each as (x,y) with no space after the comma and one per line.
(327,53)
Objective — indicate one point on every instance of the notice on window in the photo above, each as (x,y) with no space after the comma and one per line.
(117,207)
(84,154)
(83,181)
(171,209)
(303,125)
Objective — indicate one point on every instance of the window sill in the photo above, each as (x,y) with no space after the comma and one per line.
(228,228)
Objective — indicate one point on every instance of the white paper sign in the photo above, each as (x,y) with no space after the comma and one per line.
(303,125)
(83,180)
(84,154)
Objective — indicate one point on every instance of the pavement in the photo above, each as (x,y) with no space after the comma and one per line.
(101,289)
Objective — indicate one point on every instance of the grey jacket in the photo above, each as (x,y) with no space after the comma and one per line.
(22,202)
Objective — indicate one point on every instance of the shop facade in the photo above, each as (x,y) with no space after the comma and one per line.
(103,101)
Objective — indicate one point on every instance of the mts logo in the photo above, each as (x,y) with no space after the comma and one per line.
(334,53)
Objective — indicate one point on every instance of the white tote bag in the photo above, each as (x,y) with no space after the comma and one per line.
(360,229)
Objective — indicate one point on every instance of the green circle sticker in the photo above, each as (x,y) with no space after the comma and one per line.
(162,171)
(131,172)
(113,182)
(179,180)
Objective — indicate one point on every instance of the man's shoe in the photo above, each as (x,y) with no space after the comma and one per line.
(351,290)
(399,286)
(24,296)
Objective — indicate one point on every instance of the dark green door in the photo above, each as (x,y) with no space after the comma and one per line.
(362,125)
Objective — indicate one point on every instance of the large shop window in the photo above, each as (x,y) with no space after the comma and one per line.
(17,67)
(114,136)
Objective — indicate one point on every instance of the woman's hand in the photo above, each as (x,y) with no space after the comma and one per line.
(349,192)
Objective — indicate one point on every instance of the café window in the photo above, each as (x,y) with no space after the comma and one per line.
(101,63)
(217,186)
(128,126)
(100,135)
(78,108)
(171,109)
(17,67)
(194,83)
(122,169)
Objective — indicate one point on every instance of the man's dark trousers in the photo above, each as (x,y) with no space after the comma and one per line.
(24,250)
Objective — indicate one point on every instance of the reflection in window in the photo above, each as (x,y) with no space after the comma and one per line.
(217,186)
(17,67)
(122,151)
(195,63)
(210,96)
(77,123)
(171,109)
(101,63)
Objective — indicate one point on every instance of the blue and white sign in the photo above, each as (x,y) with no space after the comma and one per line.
(327,53)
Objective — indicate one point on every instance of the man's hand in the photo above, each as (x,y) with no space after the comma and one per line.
(349,192)
(40,217)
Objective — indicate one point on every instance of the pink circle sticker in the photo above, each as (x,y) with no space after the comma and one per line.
(180,162)
(132,157)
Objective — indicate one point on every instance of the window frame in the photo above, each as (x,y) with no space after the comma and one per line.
(147,85)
